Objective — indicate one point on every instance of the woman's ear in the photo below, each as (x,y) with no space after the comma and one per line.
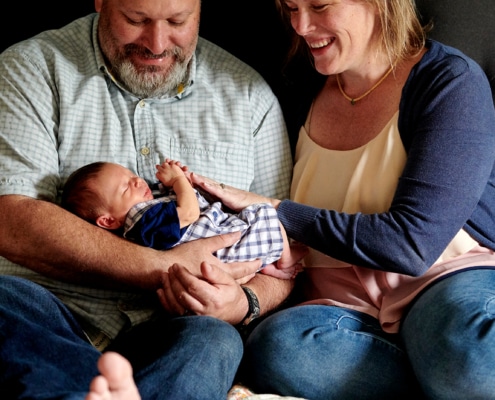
(107,222)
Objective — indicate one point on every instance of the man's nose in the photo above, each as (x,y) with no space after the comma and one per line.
(156,37)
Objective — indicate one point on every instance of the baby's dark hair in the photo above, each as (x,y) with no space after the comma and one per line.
(79,197)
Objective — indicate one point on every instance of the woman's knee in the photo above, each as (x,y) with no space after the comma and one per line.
(280,332)
(449,335)
(272,351)
(322,352)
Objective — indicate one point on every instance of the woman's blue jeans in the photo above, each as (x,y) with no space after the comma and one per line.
(445,349)
(45,355)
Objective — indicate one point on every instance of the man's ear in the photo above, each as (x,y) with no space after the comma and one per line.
(107,222)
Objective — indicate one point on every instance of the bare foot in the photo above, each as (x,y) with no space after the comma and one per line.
(290,262)
(115,381)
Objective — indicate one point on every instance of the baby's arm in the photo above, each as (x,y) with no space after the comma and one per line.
(171,174)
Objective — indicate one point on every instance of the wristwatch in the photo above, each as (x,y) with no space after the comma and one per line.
(254,306)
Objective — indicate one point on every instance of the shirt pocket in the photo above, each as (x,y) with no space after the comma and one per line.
(226,162)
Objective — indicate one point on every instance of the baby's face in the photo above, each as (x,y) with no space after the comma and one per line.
(122,189)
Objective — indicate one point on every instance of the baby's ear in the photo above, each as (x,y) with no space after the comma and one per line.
(107,222)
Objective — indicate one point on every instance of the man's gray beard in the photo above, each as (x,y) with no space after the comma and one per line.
(151,82)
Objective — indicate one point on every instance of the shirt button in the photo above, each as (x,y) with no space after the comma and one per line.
(145,151)
(142,104)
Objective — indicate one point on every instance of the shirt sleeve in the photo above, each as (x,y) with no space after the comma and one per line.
(158,227)
(28,143)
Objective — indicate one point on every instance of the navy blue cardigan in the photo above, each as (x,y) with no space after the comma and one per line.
(447,125)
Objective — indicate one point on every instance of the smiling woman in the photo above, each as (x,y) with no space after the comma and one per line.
(393,191)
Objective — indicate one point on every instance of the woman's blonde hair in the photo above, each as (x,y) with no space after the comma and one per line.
(402,34)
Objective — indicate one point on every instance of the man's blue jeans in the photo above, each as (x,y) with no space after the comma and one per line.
(45,355)
(445,349)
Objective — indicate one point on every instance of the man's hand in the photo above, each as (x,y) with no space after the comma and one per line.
(216,293)
(191,254)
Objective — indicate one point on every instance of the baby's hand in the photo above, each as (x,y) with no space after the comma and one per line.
(178,163)
(169,171)
(184,169)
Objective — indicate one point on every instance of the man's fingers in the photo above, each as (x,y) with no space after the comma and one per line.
(244,271)
(222,241)
(215,275)
(174,294)
(168,296)
(189,291)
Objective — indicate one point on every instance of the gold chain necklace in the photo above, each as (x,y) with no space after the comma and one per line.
(356,99)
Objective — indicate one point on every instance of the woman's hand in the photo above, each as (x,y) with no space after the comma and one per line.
(235,199)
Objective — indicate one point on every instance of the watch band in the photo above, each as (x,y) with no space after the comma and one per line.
(254,306)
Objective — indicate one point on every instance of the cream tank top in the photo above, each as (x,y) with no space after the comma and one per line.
(364,180)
